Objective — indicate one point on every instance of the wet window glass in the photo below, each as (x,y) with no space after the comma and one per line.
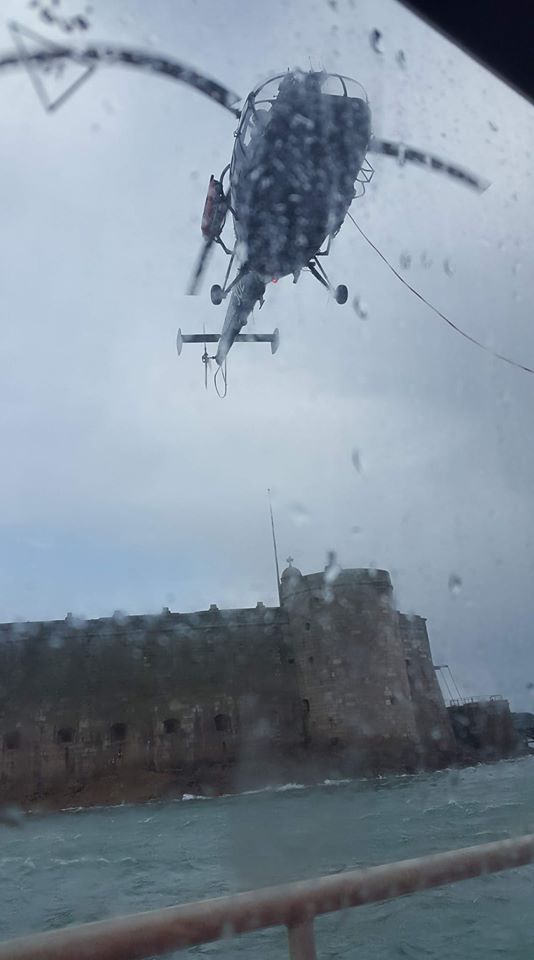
(266,524)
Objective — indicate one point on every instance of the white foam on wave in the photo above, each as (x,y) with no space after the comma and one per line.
(284,787)
(67,863)
(187,797)
(95,806)
(287,787)
(271,788)
(335,783)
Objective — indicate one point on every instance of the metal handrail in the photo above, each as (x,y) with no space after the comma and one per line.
(293,905)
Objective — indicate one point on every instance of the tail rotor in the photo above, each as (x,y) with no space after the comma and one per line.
(206,360)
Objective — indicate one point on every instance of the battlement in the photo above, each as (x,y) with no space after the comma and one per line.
(139,626)
(327,584)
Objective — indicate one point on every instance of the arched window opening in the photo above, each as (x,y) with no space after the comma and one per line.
(223,723)
(171,725)
(118,732)
(65,735)
(12,740)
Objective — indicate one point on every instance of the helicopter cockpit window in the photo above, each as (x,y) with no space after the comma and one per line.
(255,115)
(341,86)
(255,120)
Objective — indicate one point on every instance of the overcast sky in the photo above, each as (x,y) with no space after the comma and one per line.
(387,438)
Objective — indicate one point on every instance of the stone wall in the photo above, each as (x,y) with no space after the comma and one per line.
(484,730)
(333,682)
(80,701)
(437,745)
(351,667)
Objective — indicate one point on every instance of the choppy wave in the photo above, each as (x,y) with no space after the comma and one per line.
(270,788)
(382,779)
(60,862)
(129,858)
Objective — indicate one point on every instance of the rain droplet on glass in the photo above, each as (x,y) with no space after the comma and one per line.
(11,816)
(357,460)
(332,569)
(360,307)
(377,41)
(455,583)
(299,514)
(426,260)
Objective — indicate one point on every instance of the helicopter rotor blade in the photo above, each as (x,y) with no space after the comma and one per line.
(201,264)
(405,154)
(48,52)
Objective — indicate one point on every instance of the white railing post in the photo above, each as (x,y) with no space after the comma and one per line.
(302,941)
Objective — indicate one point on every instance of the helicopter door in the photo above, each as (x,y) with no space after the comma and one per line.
(215,209)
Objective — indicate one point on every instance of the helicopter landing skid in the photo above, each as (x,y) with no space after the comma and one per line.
(339,293)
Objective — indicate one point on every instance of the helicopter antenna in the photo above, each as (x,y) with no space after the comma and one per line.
(477,343)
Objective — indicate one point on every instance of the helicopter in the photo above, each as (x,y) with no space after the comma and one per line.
(298,162)
(300,158)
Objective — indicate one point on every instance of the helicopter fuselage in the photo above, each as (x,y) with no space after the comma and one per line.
(293,170)
(292,176)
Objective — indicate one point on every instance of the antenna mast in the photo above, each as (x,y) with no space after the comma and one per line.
(275,548)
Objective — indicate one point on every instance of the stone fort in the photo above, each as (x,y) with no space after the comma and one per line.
(334,681)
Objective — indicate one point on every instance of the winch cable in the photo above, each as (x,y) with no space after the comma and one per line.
(477,343)
(223,371)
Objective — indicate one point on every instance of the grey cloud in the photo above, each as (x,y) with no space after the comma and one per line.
(124,484)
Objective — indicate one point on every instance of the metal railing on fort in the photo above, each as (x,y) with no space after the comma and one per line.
(496,697)
(294,905)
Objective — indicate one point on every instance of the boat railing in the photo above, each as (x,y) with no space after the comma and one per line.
(293,905)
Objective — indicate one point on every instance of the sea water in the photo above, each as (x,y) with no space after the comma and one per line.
(83,865)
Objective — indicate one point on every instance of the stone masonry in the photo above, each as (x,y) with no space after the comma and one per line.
(332,682)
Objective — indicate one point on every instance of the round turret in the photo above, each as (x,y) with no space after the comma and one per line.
(350,665)
(290,580)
